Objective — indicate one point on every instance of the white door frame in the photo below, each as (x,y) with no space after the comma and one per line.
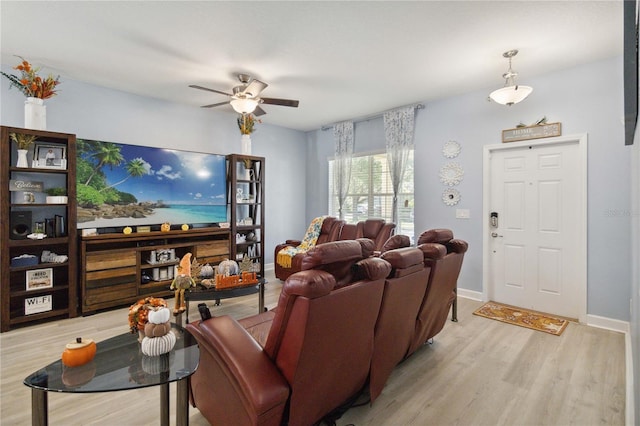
(581,245)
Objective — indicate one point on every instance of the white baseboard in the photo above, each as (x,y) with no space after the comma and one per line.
(608,323)
(630,397)
(470,294)
(269,266)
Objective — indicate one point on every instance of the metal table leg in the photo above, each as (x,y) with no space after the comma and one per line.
(39,408)
(164,404)
(454,308)
(182,402)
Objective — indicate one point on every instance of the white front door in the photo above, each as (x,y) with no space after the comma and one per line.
(536,225)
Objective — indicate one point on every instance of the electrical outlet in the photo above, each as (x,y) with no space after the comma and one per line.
(463,214)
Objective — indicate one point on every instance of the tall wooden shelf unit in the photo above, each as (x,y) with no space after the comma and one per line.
(245,188)
(118,269)
(57,296)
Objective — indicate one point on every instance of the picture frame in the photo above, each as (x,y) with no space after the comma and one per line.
(37,279)
(49,156)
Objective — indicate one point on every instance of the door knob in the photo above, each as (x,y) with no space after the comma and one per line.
(495,235)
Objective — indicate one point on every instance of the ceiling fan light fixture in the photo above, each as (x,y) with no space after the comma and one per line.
(244,105)
(512,93)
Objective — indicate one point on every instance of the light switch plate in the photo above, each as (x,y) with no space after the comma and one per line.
(463,214)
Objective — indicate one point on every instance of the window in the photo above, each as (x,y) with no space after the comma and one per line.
(371,193)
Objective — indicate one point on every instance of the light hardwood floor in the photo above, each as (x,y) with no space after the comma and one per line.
(477,372)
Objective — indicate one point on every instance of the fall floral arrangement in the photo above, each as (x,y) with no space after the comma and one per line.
(30,83)
(139,312)
(246,122)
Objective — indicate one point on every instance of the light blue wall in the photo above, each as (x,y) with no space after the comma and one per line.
(94,112)
(586,99)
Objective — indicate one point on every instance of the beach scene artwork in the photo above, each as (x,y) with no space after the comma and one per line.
(128,185)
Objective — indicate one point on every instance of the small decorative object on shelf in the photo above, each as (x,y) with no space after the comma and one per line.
(79,352)
(127,230)
(185,227)
(246,124)
(165,227)
(183,281)
(36,89)
(24,142)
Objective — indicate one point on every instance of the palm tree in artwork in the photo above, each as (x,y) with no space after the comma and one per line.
(135,168)
(107,154)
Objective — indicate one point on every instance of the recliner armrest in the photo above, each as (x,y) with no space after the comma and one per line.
(254,382)
(294,243)
(433,251)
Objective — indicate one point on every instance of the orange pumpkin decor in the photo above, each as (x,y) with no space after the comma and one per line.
(165,227)
(79,353)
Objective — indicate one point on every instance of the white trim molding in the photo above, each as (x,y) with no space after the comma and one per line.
(581,245)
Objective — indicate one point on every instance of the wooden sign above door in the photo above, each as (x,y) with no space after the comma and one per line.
(532,132)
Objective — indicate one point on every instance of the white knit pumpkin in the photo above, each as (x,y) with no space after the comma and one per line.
(206,271)
(153,346)
(228,267)
(159,316)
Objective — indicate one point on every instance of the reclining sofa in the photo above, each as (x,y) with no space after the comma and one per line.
(341,326)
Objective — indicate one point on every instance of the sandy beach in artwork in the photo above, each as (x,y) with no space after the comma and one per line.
(159,215)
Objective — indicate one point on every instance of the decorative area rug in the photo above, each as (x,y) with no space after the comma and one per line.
(522,317)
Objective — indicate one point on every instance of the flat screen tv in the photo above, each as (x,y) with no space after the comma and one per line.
(630,60)
(121,185)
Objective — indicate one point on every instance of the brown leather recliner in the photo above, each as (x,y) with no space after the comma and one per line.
(376,230)
(317,351)
(330,231)
(404,291)
(444,255)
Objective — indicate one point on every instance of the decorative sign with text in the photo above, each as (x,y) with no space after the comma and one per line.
(532,132)
(25,185)
(35,305)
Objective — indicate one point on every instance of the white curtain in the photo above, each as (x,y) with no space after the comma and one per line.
(398,132)
(343,134)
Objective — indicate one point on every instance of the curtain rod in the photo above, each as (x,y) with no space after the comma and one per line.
(370,117)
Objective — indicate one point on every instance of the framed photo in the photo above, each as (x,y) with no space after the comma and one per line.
(47,156)
(39,278)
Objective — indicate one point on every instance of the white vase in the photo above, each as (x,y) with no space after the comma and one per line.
(35,114)
(245,147)
(22,158)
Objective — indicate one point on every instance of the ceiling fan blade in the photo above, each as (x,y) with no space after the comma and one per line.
(282,102)
(254,88)
(259,111)
(215,105)
(195,86)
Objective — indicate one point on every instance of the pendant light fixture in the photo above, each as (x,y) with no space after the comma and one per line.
(511,93)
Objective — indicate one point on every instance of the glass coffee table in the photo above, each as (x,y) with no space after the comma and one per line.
(120,365)
(200,294)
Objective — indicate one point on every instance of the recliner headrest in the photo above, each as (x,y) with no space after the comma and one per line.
(332,252)
(440,236)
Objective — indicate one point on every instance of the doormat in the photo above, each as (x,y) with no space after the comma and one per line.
(522,317)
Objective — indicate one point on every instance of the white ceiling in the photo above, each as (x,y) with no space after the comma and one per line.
(341,60)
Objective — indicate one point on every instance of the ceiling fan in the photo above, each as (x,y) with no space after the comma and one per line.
(245,98)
